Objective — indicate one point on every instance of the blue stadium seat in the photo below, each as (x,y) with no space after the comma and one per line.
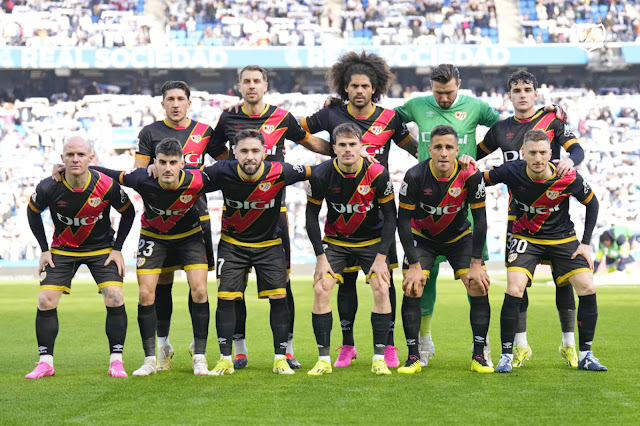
(218,41)
(200,26)
(603,8)
(173,34)
(191,41)
(493,31)
(182,34)
(198,34)
(368,33)
(484,32)
(207,41)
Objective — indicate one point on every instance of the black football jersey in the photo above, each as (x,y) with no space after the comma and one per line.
(440,204)
(378,129)
(195,139)
(508,135)
(275,124)
(353,200)
(541,206)
(168,213)
(252,207)
(80,216)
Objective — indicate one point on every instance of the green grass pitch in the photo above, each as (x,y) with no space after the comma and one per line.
(544,391)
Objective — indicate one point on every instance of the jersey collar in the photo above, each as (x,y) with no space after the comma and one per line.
(553,175)
(526,120)
(447,179)
(266,107)
(348,175)
(359,117)
(86,185)
(177,127)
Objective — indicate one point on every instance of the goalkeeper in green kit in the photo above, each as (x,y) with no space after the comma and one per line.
(464,114)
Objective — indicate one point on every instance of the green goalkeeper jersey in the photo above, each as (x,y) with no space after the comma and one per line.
(464,116)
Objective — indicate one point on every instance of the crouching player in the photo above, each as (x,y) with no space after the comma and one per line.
(432,221)
(360,227)
(542,227)
(170,239)
(79,205)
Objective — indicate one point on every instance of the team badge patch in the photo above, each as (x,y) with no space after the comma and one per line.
(264,186)
(268,128)
(364,189)
(454,192)
(461,115)
(93,201)
(185,198)
(33,197)
(43,275)
(376,130)
(404,186)
(512,257)
(309,191)
(141,261)
(196,138)
(552,195)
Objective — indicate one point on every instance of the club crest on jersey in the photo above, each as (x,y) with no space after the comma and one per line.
(454,192)
(460,115)
(33,197)
(552,195)
(376,130)
(93,201)
(364,189)
(264,186)
(141,261)
(268,128)
(196,138)
(512,257)
(185,198)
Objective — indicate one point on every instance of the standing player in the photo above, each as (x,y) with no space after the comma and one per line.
(433,221)
(170,238)
(276,125)
(195,139)
(251,237)
(79,206)
(361,221)
(615,247)
(542,228)
(362,79)
(508,136)
(464,114)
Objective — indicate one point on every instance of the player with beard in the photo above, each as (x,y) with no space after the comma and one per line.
(276,125)
(251,237)
(508,135)
(361,79)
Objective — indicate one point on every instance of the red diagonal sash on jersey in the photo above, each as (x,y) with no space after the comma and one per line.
(348,227)
(544,123)
(533,225)
(197,142)
(436,227)
(70,239)
(375,134)
(272,135)
(190,195)
(240,223)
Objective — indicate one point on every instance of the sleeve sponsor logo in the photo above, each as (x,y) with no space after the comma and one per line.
(298,168)
(403,188)
(389,189)
(480,193)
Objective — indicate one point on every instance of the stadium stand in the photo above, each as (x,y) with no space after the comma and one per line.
(33,129)
(553,21)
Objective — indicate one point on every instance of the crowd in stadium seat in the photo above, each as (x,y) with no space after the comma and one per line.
(565,21)
(34,129)
(95,23)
